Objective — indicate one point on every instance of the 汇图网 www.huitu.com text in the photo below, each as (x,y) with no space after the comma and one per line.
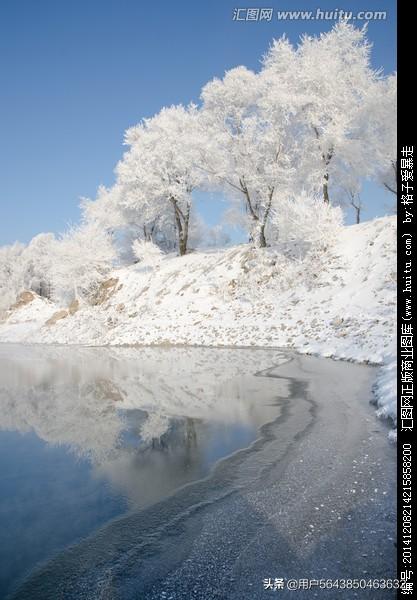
(269,14)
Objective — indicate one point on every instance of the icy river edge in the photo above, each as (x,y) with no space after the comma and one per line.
(314,498)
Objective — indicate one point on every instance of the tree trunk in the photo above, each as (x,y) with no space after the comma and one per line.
(182,223)
(357,206)
(326,157)
(148,233)
(259,226)
(182,245)
(183,237)
(257,234)
(261,238)
(386,185)
(358,215)
(326,197)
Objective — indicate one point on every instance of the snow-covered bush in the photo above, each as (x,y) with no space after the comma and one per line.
(385,389)
(307,219)
(147,253)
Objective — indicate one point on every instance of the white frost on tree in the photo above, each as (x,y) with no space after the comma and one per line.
(315,121)
(84,255)
(27,268)
(378,123)
(296,222)
(147,253)
(11,280)
(330,81)
(248,149)
(158,174)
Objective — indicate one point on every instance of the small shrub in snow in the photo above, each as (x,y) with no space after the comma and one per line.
(308,219)
(147,253)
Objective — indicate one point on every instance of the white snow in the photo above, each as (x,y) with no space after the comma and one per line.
(340,303)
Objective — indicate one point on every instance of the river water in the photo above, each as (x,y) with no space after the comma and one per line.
(90,434)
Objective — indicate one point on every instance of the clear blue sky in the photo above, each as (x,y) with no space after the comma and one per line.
(75,74)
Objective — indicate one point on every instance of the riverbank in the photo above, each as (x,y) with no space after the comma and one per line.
(339,303)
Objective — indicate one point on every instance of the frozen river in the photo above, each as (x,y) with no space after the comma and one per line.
(130,473)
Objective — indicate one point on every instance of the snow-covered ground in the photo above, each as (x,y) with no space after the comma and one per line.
(338,303)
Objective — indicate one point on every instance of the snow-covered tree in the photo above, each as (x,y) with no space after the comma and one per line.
(378,124)
(123,221)
(158,174)
(84,255)
(351,199)
(329,82)
(26,268)
(356,204)
(37,259)
(11,276)
(247,144)
(105,210)
(312,119)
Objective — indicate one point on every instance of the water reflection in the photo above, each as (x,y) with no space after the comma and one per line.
(88,433)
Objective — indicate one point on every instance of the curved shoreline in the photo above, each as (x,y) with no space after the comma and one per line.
(115,554)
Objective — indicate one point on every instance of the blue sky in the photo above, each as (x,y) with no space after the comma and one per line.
(75,74)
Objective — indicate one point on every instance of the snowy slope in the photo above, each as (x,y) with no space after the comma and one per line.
(340,303)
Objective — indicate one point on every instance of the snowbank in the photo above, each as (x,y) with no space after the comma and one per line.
(386,392)
(339,303)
